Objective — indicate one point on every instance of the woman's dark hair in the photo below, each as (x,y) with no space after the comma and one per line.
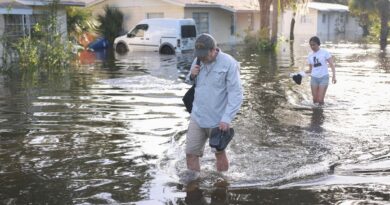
(315,39)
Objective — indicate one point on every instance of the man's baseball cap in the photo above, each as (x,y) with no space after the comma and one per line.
(203,44)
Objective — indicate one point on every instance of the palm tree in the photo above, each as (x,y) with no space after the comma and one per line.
(275,14)
(264,16)
(79,21)
(110,23)
(383,7)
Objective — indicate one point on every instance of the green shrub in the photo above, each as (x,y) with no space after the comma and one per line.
(258,41)
(45,50)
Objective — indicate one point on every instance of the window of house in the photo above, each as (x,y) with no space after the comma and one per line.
(202,21)
(323,18)
(341,18)
(154,15)
(15,25)
(139,30)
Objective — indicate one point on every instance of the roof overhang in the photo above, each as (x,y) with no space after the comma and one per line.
(247,11)
(45,3)
(210,6)
(92,2)
(327,7)
(174,2)
(15,8)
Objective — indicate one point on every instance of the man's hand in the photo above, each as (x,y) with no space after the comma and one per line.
(195,71)
(224,126)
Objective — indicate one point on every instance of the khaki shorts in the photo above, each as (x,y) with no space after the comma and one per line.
(196,138)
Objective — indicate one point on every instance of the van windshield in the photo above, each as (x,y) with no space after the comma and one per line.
(139,30)
(188,31)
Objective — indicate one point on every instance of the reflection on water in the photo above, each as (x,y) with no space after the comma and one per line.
(112,132)
(317,119)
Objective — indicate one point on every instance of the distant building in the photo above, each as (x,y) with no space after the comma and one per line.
(328,21)
(227,20)
(17,17)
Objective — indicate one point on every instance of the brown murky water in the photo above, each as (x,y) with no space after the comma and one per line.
(113,131)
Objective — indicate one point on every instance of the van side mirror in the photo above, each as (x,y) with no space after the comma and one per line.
(130,35)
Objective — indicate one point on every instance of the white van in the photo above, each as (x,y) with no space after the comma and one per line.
(166,36)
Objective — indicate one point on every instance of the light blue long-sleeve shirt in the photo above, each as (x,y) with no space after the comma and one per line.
(218,91)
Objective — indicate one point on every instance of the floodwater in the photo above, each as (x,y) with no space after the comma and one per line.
(113,132)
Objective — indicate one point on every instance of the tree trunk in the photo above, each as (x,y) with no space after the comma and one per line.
(366,32)
(364,21)
(292,25)
(384,15)
(275,12)
(264,17)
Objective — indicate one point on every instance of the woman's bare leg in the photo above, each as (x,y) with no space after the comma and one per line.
(314,92)
(321,94)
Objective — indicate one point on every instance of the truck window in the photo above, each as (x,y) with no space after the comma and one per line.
(139,31)
(188,31)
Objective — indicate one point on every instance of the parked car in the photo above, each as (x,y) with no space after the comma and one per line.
(166,36)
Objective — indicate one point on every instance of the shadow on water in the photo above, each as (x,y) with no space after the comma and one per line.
(113,132)
(317,119)
(225,196)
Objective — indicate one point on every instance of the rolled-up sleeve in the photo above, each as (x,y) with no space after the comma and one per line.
(235,93)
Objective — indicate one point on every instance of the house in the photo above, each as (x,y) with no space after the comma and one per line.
(17,17)
(325,20)
(227,20)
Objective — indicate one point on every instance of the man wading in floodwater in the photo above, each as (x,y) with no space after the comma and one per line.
(218,97)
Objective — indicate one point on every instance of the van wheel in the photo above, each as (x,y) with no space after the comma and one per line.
(167,50)
(121,48)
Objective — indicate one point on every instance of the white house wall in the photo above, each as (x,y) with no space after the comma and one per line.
(338,24)
(331,25)
(220,22)
(311,23)
(305,23)
(285,23)
(243,24)
(353,29)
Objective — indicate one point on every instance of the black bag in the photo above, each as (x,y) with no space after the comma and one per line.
(220,139)
(188,98)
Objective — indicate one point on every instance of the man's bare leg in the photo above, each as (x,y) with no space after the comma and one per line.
(193,162)
(222,161)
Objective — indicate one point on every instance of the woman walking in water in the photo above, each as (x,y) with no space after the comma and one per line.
(318,67)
